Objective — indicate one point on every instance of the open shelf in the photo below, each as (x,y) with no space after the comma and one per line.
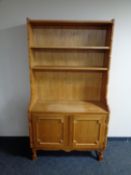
(71,48)
(68,68)
(68,106)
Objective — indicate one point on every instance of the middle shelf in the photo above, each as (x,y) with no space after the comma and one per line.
(72,47)
(68,68)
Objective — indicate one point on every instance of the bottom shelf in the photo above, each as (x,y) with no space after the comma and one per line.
(68,107)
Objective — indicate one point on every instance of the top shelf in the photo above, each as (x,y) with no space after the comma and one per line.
(73,48)
(69,22)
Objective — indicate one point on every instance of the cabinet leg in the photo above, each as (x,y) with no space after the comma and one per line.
(34,154)
(100,155)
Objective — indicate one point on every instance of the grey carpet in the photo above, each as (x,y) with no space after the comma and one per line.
(15,160)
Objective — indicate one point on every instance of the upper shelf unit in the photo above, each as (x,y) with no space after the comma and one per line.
(55,35)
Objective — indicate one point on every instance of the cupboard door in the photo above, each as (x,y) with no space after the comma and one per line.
(88,131)
(49,131)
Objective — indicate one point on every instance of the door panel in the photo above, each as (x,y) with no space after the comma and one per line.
(87,131)
(50,130)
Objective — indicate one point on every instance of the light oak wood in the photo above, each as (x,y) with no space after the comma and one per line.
(51,36)
(68,85)
(68,107)
(87,130)
(81,23)
(64,68)
(69,66)
(71,47)
(50,130)
(68,58)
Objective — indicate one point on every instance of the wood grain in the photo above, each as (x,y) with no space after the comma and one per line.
(56,37)
(68,107)
(68,85)
(87,130)
(61,57)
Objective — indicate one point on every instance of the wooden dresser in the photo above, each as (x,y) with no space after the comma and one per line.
(69,66)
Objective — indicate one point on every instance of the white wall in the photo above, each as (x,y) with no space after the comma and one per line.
(14,76)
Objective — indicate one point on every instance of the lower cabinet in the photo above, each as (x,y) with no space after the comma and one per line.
(68,132)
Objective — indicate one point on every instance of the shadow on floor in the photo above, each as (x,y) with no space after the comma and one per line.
(19,146)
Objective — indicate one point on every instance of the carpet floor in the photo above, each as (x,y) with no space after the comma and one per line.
(15,160)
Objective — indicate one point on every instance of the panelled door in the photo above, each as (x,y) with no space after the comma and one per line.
(87,131)
(50,130)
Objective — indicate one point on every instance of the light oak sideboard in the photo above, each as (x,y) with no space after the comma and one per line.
(69,67)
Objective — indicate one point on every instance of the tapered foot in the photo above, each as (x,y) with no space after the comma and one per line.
(100,155)
(34,154)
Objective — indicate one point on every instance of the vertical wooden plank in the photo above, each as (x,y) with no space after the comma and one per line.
(107,58)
